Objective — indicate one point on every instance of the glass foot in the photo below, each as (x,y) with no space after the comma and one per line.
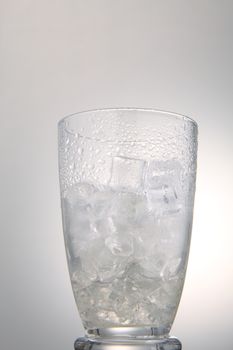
(169,343)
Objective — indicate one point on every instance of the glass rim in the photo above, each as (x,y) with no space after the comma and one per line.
(137,109)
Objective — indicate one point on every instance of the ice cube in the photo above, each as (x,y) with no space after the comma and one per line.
(82,278)
(79,192)
(99,294)
(105,227)
(99,258)
(163,187)
(142,284)
(146,238)
(123,207)
(78,225)
(108,266)
(130,291)
(171,268)
(128,208)
(127,173)
(100,203)
(172,235)
(120,244)
(80,228)
(163,200)
(85,299)
(167,295)
(124,296)
(86,210)
(163,173)
(107,318)
(152,266)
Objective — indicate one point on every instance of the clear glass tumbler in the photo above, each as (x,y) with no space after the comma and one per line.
(127,179)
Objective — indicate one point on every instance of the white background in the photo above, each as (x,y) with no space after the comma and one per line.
(60,57)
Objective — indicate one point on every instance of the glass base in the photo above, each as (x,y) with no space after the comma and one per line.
(132,342)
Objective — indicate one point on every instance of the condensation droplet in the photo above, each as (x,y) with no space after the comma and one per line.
(79,150)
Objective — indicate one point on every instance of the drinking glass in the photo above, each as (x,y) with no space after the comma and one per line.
(127,181)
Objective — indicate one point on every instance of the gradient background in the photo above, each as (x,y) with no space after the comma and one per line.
(59,57)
